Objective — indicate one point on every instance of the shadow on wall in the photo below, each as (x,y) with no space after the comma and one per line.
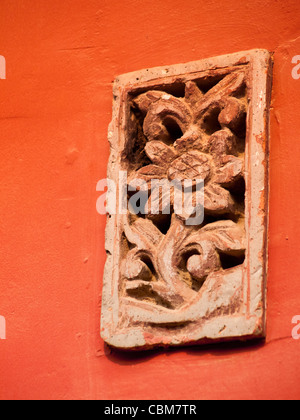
(124,358)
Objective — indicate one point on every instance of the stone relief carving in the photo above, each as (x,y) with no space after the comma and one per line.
(168,282)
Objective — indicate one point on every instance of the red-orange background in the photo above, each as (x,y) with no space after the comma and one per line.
(55,106)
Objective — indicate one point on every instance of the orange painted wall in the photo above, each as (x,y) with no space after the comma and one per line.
(55,106)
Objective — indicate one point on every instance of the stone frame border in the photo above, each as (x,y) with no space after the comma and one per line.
(252,323)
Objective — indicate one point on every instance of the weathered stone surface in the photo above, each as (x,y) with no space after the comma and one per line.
(167,283)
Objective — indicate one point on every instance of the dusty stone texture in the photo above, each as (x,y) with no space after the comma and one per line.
(166,283)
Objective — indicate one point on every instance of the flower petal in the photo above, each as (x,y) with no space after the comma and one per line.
(141,179)
(231,172)
(217,200)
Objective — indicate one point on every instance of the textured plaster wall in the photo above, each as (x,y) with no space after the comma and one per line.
(55,106)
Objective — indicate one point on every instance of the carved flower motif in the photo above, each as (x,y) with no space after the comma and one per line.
(185,142)
(218,174)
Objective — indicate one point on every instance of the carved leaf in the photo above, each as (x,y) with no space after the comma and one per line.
(148,231)
(143,234)
(225,235)
(225,88)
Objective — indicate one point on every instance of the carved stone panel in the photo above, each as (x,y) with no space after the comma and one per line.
(180,274)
